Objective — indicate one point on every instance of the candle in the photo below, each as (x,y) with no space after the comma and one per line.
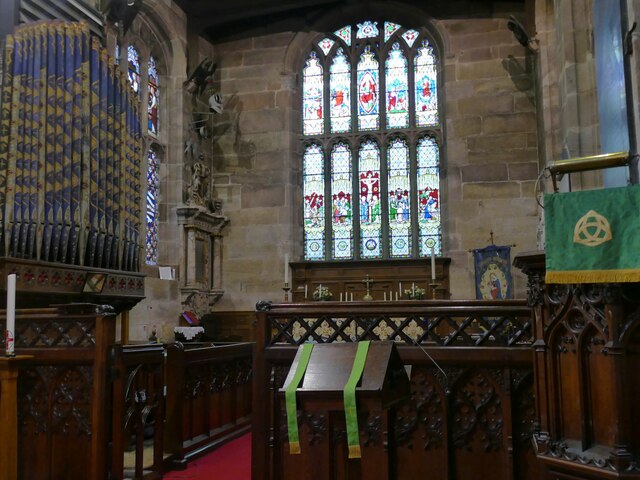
(11,314)
(413,289)
(340,296)
(286,268)
(305,290)
(433,264)
(352,296)
(385,296)
(396,296)
(400,287)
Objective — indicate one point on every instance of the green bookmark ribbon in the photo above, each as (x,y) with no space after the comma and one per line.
(350,411)
(290,398)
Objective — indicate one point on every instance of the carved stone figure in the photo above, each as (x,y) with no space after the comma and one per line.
(198,190)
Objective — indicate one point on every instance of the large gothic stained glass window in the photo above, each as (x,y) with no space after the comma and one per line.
(371,127)
(154,97)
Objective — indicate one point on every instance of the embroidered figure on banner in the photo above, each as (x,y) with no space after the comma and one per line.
(493,272)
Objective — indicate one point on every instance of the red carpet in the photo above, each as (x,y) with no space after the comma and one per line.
(229,462)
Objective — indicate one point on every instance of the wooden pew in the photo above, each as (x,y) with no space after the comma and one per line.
(208,397)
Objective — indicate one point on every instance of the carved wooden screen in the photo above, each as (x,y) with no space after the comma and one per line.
(70,151)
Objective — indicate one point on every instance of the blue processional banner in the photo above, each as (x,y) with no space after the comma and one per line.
(493,272)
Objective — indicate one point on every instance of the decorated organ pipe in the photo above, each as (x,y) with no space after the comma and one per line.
(70,151)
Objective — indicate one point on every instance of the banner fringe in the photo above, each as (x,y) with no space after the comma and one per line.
(593,276)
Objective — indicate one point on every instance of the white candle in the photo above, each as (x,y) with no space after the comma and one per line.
(396,296)
(305,290)
(385,296)
(340,296)
(286,268)
(413,289)
(11,314)
(433,264)
(352,296)
(400,287)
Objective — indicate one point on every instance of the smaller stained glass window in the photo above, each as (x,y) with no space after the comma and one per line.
(428,183)
(341,202)
(398,165)
(369,200)
(389,29)
(313,191)
(154,97)
(340,91)
(326,44)
(367,29)
(153,186)
(426,87)
(368,88)
(313,97)
(397,89)
(345,34)
(133,70)
(410,37)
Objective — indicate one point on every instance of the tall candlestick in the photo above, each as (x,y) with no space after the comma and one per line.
(286,268)
(413,290)
(11,315)
(433,264)
(305,290)
(385,296)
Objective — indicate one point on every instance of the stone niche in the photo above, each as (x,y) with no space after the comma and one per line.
(201,262)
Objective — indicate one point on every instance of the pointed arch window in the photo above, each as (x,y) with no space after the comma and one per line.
(371,127)
(144,78)
(152,208)
(154,97)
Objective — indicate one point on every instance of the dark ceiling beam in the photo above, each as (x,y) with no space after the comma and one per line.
(217,16)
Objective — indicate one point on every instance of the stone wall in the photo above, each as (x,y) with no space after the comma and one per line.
(490,158)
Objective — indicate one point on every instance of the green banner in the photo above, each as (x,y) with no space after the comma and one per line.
(350,410)
(290,398)
(593,236)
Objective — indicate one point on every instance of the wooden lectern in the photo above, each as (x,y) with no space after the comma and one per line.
(321,417)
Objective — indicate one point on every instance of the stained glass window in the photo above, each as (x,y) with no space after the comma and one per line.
(367,29)
(368,113)
(326,44)
(153,185)
(429,196)
(345,34)
(313,192)
(340,91)
(389,29)
(154,97)
(410,37)
(341,201)
(397,89)
(133,70)
(313,96)
(382,179)
(370,205)
(426,86)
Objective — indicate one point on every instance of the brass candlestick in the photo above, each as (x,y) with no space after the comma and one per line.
(434,286)
(286,289)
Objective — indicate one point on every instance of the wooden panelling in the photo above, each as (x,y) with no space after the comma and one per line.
(586,360)
(388,278)
(471,404)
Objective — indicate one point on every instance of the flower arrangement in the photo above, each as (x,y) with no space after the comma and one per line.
(322,293)
(415,293)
